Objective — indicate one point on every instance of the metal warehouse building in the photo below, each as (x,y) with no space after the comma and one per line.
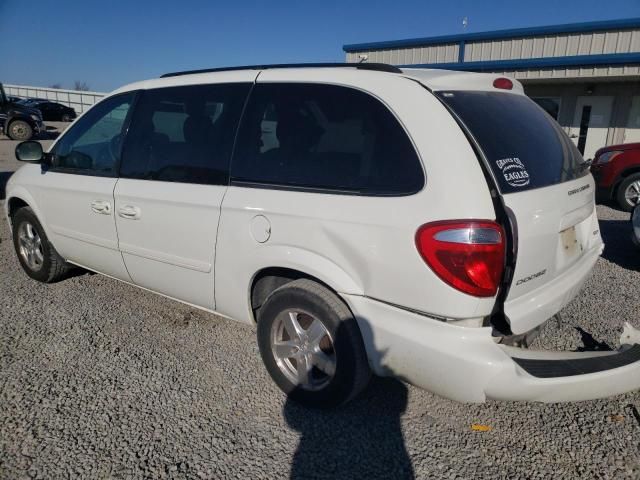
(586,75)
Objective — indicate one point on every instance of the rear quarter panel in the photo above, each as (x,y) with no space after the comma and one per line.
(357,244)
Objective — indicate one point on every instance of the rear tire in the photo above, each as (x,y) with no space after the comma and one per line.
(36,254)
(66,118)
(19,130)
(328,345)
(628,194)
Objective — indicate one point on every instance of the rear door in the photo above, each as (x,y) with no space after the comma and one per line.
(173,177)
(548,193)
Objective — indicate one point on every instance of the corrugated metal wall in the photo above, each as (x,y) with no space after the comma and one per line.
(610,72)
(543,46)
(445,53)
(563,45)
(79,101)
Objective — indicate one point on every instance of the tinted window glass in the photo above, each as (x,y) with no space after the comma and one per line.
(551,105)
(324,137)
(184,134)
(525,147)
(94,142)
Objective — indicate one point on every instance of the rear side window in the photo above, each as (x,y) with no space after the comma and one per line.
(184,134)
(324,137)
(524,146)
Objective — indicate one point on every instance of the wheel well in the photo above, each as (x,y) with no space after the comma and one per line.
(15,204)
(272,278)
(630,171)
(625,174)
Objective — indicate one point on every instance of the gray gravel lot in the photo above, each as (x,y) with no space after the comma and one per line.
(101,380)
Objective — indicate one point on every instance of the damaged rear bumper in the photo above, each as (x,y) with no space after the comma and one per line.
(569,376)
(468,365)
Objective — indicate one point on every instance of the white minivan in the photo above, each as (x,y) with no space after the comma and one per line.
(368,219)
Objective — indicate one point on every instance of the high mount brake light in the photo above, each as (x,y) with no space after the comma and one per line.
(503,83)
(468,255)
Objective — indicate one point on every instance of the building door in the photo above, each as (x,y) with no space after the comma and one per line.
(591,123)
(632,131)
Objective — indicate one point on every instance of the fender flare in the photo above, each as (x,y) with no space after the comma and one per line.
(23,194)
(304,261)
(18,116)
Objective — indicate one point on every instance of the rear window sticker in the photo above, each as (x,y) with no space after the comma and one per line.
(514,171)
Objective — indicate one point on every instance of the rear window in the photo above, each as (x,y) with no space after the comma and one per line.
(524,146)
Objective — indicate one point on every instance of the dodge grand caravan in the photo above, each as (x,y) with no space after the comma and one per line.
(368,219)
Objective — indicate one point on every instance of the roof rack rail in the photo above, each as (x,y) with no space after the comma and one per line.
(378,67)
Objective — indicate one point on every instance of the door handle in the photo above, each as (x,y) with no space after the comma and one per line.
(101,206)
(130,212)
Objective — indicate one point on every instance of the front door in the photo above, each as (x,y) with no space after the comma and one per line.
(174,174)
(632,130)
(591,123)
(75,194)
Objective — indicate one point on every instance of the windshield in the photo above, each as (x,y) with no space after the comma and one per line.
(524,146)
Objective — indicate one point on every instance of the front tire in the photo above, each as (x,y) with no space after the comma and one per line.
(36,254)
(311,345)
(19,130)
(628,194)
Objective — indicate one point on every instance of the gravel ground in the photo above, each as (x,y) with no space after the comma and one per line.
(101,380)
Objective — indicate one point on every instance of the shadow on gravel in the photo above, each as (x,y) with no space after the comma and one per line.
(362,439)
(51,134)
(618,246)
(609,203)
(590,344)
(4,178)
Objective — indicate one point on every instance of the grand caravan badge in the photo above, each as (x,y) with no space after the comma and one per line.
(514,171)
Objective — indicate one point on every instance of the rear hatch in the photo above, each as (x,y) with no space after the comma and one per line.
(546,191)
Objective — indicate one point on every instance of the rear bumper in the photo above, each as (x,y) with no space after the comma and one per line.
(467,365)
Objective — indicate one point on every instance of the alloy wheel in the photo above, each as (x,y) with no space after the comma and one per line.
(30,246)
(303,349)
(632,193)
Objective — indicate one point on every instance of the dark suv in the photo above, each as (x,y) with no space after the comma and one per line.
(19,122)
(616,169)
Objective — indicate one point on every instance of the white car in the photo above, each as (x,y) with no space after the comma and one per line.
(369,219)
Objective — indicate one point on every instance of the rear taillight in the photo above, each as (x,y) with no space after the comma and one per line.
(469,255)
(503,83)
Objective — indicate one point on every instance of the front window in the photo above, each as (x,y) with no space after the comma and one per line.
(94,143)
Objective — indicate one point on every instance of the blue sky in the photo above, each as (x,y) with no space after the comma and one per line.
(111,43)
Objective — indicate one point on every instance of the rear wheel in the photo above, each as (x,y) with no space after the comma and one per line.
(311,345)
(36,254)
(20,130)
(66,117)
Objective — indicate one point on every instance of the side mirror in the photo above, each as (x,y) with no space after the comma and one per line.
(30,151)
